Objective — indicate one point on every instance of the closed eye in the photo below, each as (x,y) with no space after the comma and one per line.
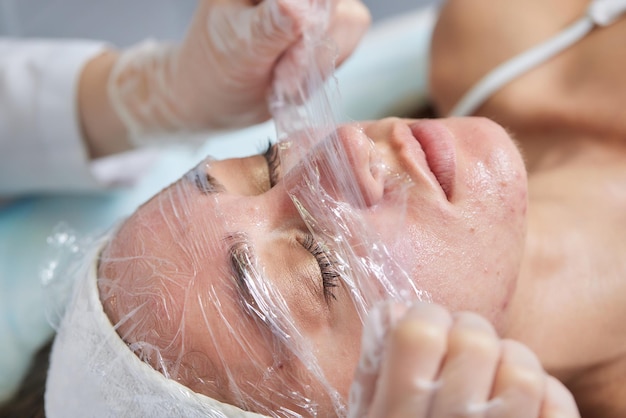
(329,274)
(204,182)
(273,163)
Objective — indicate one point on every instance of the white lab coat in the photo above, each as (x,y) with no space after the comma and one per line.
(41,148)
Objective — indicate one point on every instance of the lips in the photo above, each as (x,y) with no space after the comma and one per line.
(437,142)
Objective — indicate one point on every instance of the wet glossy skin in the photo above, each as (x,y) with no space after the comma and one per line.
(460,242)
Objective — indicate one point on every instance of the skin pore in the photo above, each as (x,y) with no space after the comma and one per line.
(181,276)
(568,116)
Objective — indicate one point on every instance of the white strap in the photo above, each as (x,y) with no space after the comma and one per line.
(599,12)
(605,12)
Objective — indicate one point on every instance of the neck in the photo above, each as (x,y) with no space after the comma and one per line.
(572,276)
(578,93)
(601,392)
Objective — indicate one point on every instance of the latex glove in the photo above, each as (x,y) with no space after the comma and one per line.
(220,76)
(425,362)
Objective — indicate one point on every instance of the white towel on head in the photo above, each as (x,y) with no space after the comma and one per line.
(93,373)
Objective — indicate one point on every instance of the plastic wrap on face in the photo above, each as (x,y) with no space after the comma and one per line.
(65,256)
(248,281)
(333,193)
(235,297)
(224,328)
(241,300)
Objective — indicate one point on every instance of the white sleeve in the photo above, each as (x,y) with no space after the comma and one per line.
(41,148)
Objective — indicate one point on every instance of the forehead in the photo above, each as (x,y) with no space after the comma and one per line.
(198,298)
(191,232)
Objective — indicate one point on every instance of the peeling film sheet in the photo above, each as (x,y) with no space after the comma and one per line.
(230,290)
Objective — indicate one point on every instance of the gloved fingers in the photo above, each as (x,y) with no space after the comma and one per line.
(221,74)
(558,401)
(416,348)
(519,385)
(276,25)
(380,320)
(347,26)
(248,33)
(470,365)
(271,26)
(349,20)
(522,389)
(425,362)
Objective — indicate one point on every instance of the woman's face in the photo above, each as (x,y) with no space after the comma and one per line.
(219,283)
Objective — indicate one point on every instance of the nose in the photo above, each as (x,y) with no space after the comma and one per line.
(358,166)
(344,168)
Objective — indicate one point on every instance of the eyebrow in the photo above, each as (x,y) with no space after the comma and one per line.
(241,259)
(206,183)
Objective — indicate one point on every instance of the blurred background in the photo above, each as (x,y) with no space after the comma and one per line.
(124,22)
(385,8)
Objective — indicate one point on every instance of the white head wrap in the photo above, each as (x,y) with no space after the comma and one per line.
(87,348)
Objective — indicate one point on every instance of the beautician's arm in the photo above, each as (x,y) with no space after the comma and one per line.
(63,103)
(219,77)
(102,129)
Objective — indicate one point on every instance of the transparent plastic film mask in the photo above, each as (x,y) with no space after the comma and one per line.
(336,176)
(248,280)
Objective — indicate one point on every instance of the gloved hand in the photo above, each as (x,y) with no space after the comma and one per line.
(220,76)
(424,362)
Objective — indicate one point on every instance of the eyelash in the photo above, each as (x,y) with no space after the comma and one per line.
(330,275)
(273,163)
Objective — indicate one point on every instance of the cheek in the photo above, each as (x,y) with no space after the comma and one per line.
(467,263)
(338,352)
(499,243)
(496,207)
(338,356)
